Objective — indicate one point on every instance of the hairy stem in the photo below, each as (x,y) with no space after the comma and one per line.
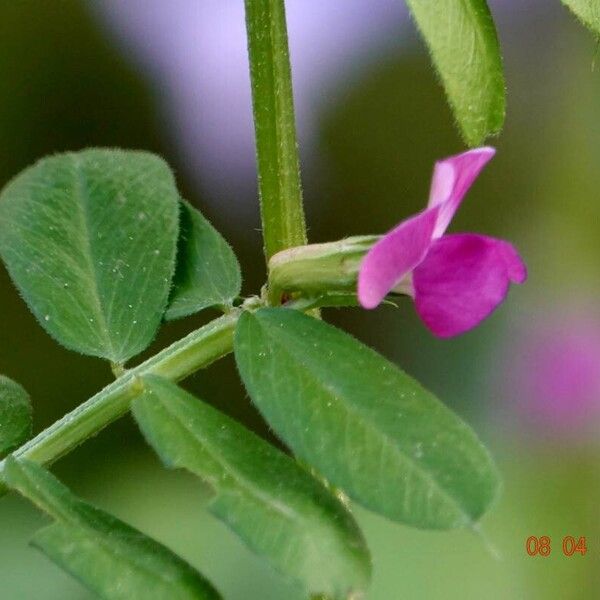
(279,185)
(195,351)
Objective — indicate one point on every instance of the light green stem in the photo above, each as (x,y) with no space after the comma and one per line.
(199,349)
(279,185)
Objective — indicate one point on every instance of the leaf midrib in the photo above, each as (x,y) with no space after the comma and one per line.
(81,192)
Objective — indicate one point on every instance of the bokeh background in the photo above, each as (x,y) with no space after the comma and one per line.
(171,77)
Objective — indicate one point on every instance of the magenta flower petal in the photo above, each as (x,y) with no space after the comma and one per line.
(395,255)
(463,278)
(452,178)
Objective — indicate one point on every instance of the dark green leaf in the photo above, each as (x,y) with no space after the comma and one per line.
(207,272)
(274,505)
(588,11)
(367,426)
(111,558)
(464,47)
(89,238)
(15,415)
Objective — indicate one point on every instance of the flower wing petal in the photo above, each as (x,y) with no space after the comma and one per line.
(395,255)
(452,178)
(463,278)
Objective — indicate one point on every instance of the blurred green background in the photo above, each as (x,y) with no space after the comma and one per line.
(65,84)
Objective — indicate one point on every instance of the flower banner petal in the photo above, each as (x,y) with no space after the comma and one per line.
(395,255)
(462,280)
(452,178)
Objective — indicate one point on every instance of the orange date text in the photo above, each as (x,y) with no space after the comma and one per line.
(542,545)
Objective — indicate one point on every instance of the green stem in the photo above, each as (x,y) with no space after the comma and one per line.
(279,185)
(195,351)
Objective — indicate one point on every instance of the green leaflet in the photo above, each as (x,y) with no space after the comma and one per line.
(464,47)
(358,419)
(275,506)
(15,415)
(588,11)
(89,238)
(207,272)
(112,559)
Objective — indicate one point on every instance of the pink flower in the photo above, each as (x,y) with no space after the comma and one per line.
(456,280)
